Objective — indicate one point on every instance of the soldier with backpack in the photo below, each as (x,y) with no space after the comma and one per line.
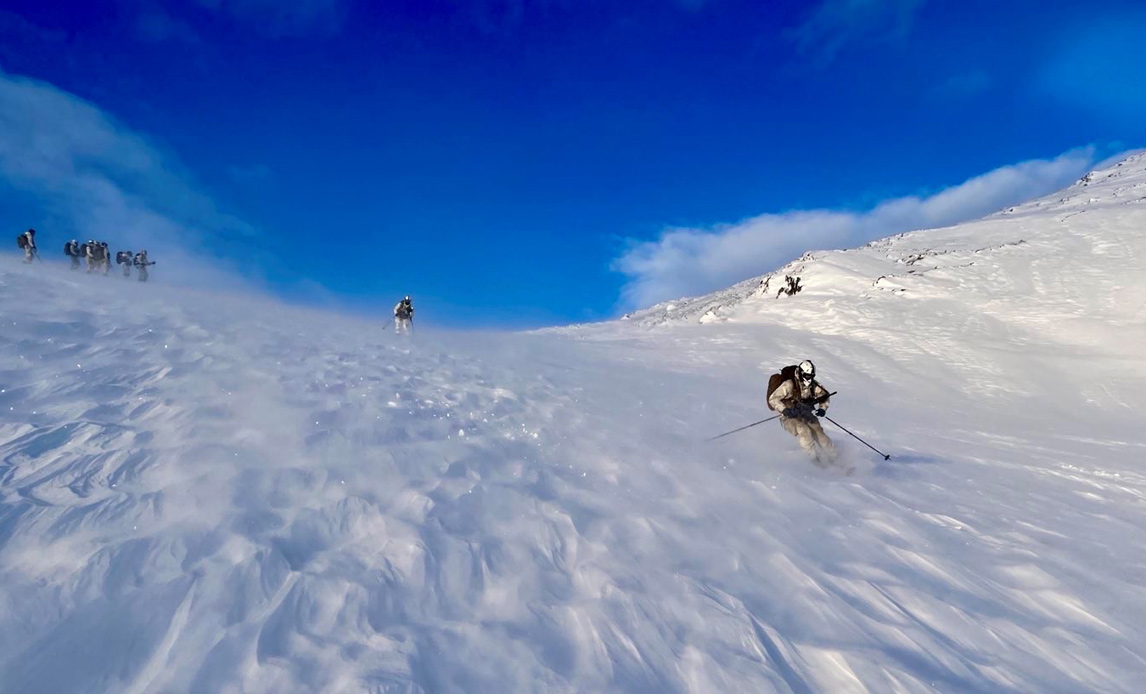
(141,263)
(72,250)
(90,255)
(124,258)
(27,243)
(800,399)
(97,256)
(403,316)
(94,256)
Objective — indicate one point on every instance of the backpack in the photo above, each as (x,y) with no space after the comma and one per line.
(788,373)
(22,241)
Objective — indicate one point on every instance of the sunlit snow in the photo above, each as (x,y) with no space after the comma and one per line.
(216,493)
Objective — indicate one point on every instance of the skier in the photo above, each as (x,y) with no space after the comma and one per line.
(124,258)
(403,316)
(141,263)
(27,243)
(800,399)
(72,250)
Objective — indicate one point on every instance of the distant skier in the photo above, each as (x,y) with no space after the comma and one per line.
(72,250)
(124,258)
(403,316)
(800,399)
(27,243)
(141,263)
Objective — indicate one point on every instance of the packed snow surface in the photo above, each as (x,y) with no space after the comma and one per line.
(207,493)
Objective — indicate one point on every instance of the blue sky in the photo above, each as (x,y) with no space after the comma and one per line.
(527,162)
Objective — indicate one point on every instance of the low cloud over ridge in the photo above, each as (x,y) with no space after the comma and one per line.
(692,261)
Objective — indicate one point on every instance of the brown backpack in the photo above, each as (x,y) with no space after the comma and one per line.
(788,373)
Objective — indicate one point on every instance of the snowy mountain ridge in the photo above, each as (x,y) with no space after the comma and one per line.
(887,262)
(216,493)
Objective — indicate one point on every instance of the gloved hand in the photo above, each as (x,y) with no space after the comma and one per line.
(790,412)
(821,412)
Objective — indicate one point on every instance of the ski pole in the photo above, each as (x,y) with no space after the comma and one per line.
(816,401)
(885,456)
(741,428)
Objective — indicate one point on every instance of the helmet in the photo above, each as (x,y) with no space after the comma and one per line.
(806,371)
(407,299)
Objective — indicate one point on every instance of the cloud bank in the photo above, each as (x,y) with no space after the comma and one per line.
(87,176)
(689,261)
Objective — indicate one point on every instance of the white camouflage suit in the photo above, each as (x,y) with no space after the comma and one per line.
(30,247)
(91,255)
(807,429)
(403,317)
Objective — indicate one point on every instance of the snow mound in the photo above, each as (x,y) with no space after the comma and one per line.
(204,493)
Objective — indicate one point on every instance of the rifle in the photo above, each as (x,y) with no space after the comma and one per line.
(822,398)
(811,403)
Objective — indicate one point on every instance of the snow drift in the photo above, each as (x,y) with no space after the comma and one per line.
(208,493)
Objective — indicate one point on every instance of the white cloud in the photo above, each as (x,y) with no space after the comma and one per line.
(90,177)
(687,261)
(836,23)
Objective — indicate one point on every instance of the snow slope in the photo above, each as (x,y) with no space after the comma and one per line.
(213,493)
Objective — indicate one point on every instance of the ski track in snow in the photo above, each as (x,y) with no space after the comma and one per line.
(204,493)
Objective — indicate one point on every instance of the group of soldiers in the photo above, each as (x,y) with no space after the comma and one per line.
(94,254)
(97,258)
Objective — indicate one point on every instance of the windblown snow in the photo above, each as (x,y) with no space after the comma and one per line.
(209,493)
